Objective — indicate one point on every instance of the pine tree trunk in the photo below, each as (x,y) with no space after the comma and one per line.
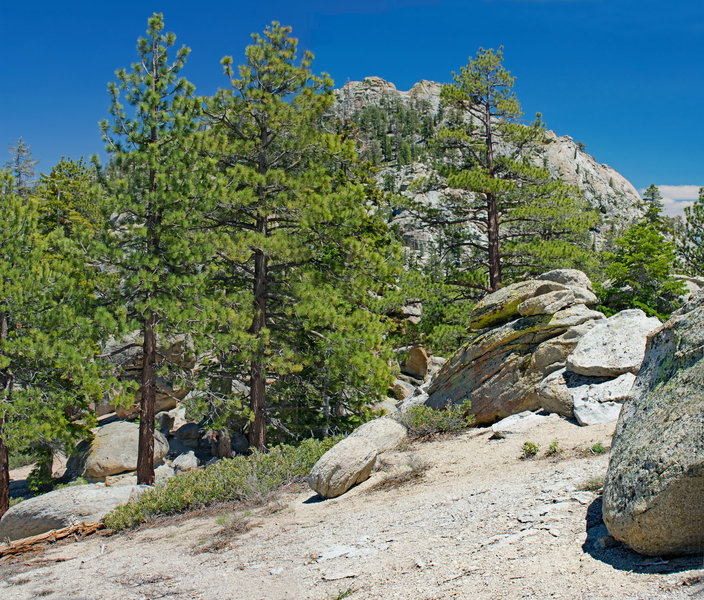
(145,453)
(492,211)
(4,455)
(493,243)
(4,473)
(257,432)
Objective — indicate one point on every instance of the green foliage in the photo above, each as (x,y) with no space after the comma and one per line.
(301,245)
(554,448)
(690,241)
(423,421)
(640,272)
(530,450)
(597,448)
(69,198)
(653,206)
(248,479)
(49,327)
(513,218)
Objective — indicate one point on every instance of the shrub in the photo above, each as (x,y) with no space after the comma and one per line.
(424,421)
(530,449)
(597,448)
(554,448)
(243,478)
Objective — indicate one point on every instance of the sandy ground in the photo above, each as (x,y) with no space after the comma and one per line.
(480,523)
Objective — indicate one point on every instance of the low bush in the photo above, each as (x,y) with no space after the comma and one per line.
(530,449)
(423,421)
(597,448)
(243,478)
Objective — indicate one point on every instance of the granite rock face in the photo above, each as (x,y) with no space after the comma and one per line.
(654,487)
(613,347)
(499,369)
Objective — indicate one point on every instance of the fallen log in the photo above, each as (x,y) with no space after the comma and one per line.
(30,543)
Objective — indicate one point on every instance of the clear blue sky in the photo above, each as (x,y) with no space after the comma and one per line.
(626,77)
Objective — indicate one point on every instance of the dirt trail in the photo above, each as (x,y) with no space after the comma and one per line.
(480,524)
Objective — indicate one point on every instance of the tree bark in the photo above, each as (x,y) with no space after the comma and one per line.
(145,454)
(4,473)
(257,432)
(4,454)
(492,212)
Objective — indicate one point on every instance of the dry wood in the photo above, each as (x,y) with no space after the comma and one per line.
(30,543)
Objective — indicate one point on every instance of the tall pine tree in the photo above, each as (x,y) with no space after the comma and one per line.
(509,218)
(49,327)
(302,248)
(158,184)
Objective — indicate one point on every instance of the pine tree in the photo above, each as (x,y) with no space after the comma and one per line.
(302,248)
(640,272)
(158,187)
(511,215)
(69,199)
(21,167)
(690,241)
(49,326)
(652,200)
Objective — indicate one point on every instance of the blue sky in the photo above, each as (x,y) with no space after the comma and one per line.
(625,77)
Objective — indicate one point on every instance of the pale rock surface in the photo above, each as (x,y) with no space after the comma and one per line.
(346,464)
(416,365)
(64,507)
(385,433)
(518,423)
(613,347)
(185,462)
(571,278)
(654,487)
(590,412)
(401,389)
(559,391)
(113,450)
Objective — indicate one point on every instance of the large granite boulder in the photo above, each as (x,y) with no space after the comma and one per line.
(64,507)
(654,492)
(113,450)
(347,463)
(351,460)
(613,347)
(499,369)
(385,433)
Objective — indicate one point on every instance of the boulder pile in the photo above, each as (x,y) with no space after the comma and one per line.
(654,492)
(536,345)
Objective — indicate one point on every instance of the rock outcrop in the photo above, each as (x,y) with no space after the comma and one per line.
(112,451)
(64,507)
(607,192)
(500,368)
(654,490)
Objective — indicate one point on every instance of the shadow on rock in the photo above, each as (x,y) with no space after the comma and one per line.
(604,548)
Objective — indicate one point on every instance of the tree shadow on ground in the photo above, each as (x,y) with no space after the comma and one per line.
(620,557)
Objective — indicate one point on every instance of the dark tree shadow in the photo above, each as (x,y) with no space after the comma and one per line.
(621,557)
